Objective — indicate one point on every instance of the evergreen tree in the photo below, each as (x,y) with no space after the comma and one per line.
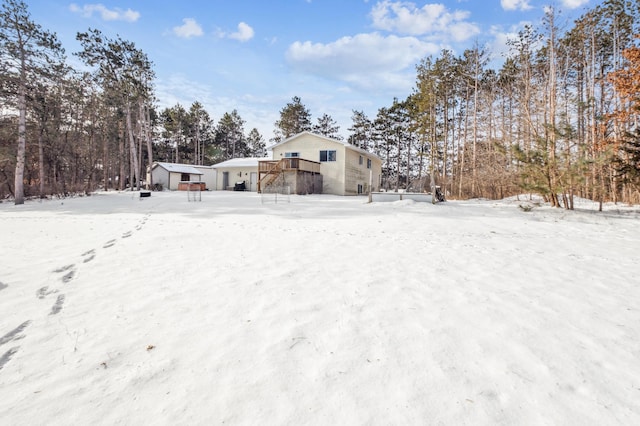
(28,54)
(126,75)
(256,144)
(328,127)
(628,160)
(294,118)
(384,144)
(200,131)
(175,128)
(230,135)
(361,130)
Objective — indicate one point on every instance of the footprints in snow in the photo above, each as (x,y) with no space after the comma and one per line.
(57,307)
(69,272)
(7,356)
(88,256)
(44,291)
(66,274)
(109,243)
(15,334)
(127,234)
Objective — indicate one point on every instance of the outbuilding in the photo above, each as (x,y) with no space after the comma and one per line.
(169,175)
(237,173)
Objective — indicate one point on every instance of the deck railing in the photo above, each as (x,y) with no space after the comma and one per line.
(270,166)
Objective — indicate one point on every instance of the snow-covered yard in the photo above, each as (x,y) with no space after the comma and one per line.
(325,310)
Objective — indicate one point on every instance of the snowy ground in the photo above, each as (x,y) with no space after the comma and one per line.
(324,310)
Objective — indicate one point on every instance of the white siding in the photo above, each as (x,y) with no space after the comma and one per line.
(309,147)
(340,177)
(208,176)
(236,174)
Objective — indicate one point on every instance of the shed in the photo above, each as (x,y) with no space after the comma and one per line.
(169,175)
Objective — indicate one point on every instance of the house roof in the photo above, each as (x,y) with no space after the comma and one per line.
(180,168)
(240,162)
(346,144)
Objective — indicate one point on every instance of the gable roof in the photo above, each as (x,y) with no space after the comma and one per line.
(328,139)
(179,168)
(240,162)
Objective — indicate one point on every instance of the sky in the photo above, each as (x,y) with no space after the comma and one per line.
(255,56)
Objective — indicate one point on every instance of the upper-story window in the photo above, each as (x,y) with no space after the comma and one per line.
(360,160)
(368,163)
(327,155)
(291,154)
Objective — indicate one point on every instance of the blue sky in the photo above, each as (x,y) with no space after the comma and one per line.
(255,55)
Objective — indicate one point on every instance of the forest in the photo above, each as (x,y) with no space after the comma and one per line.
(558,118)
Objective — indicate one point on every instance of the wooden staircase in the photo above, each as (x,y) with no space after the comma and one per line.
(272,170)
(269,171)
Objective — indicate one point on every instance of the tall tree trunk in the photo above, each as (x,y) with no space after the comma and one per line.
(132,148)
(22,138)
(398,163)
(105,163)
(551,137)
(474,155)
(147,131)
(122,157)
(41,162)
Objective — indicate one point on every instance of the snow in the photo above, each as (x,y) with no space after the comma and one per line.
(181,168)
(241,162)
(237,310)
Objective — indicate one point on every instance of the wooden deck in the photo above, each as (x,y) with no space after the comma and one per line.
(270,170)
(300,164)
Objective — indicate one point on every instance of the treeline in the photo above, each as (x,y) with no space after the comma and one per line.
(64,131)
(559,118)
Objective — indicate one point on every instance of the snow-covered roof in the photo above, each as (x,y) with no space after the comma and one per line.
(346,144)
(180,168)
(240,162)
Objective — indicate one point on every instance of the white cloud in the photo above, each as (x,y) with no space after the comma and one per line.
(116,14)
(518,4)
(244,33)
(573,4)
(364,60)
(189,28)
(431,19)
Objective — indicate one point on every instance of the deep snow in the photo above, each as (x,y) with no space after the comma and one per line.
(121,310)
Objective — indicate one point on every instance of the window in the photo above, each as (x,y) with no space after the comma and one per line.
(186,177)
(291,154)
(360,160)
(368,163)
(327,155)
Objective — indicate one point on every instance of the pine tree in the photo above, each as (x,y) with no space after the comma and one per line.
(256,144)
(294,118)
(361,130)
(328,127)
(126,74)
(230,135)
(28,54)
